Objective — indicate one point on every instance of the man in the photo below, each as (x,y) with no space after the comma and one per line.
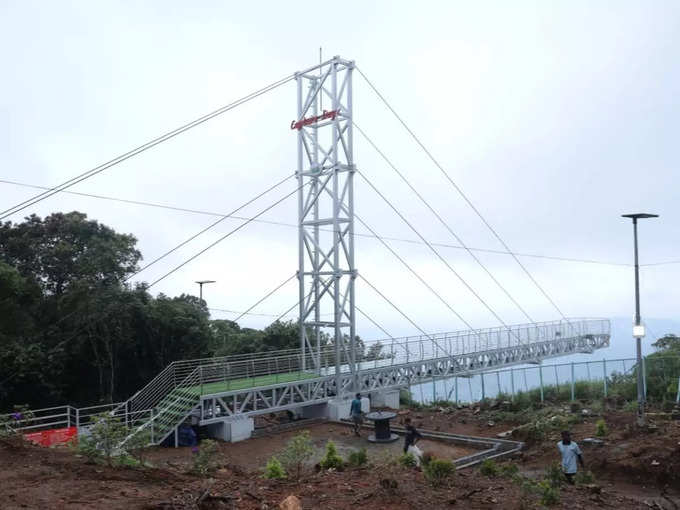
(356,414)
(412,435)
(571,453)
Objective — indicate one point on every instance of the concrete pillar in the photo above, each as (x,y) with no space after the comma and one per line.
(386,398)
(232,429)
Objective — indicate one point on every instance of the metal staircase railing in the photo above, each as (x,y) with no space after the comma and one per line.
(173,408)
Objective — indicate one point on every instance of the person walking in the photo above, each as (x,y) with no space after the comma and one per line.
(356,414)
(571,453)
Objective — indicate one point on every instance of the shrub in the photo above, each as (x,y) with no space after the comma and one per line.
(489,468)
(601,428)
(332,460)
(553,475)
(137,446)
(437,471)
(584,477)
(274,469)
(204,457)
(358,458)
(550,495)
(298,451)
(10,424)
(510,471)
(105,436)
(408,460)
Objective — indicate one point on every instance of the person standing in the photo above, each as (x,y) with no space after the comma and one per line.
(571,453)
(356,414)
(412,435)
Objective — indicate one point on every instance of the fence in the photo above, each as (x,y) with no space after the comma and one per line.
(562,381)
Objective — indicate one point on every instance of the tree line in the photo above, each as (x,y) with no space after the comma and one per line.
(72,330)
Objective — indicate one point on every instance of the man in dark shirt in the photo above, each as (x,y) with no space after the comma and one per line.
(412,435)
(356,414)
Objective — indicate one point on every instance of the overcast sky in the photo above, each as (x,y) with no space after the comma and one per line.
(553,117)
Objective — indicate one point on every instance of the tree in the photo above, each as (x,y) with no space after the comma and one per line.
(65,249)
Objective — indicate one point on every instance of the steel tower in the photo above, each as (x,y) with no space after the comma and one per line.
(325,170)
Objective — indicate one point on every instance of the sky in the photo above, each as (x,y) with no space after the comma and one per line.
(554,118)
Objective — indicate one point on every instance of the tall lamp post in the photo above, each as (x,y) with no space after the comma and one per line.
(200,286)
(638,329)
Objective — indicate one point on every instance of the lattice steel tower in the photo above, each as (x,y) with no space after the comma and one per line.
(326,215)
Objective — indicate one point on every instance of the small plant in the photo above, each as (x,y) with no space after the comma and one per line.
(510,471)
(137,446)
(296,453)
(437,471)
(204,457)
(601,428)
(10,424)
(553,475)
(550,495)
(358,458)
(489,468)
(584,478)
(274,469)
(105,436)
(332,460)
(408,460)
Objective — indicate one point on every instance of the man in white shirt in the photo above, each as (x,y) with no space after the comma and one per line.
(571,453)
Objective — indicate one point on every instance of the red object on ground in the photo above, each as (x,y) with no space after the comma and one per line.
(53,436)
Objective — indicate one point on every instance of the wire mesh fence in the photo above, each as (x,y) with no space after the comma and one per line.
(614,379)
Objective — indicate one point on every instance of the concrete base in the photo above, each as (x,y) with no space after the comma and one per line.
(389,398)
(233,429)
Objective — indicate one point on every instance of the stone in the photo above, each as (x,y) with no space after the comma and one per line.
(503,435)
(591,441)
(290,503)
(491,423)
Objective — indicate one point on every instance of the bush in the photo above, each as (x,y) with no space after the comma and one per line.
(553,475)
(437,471)
(204,457)
(296,453)
(489,468)
(274,469)
(332,460)
(601,428)
(358,458)
(406,400)
(408,460)
(10,424)
(550,495)
(137,446)
(105,436)
(510,471)
(584,477)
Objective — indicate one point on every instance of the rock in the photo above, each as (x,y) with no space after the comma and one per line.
(476,410)
(585,412)
(593,488)
(290,503)
(591,441)
(656,463)
(503,435)
(491,423)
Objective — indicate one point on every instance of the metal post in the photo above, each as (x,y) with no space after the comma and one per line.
(483,392)
(498,381)
(456,383)
(677,398)
(572,382)
(540,374)
(638,340)
(434,389)
(512,383)
(469,380)
(604,370)
(644,379)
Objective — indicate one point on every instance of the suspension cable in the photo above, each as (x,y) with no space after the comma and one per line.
(441,220)
(212,225)
(141,148)
(266,296)
(437,254)
(463,195)
(356,234)
(413,271)
(201,252)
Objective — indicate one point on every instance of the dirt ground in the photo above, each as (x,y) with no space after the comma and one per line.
(633,470)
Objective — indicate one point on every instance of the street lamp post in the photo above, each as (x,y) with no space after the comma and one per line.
(200,286)
(638,328)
